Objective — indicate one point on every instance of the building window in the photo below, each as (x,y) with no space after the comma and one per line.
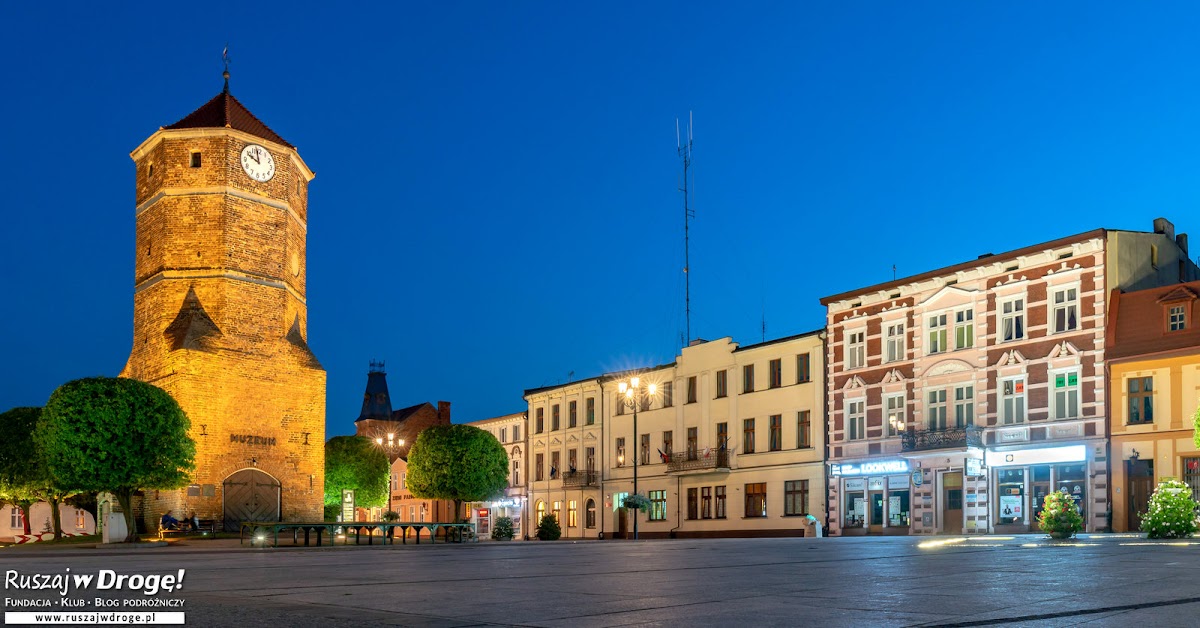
(691,389)
(1154,257)
(693,442)
(1141,400)
(539,465)
(706,502)
(964,406)
(775,438)
(541,511)
(937,334)
(195,159)
(964,329)
(894,414)
(668,443)
(572,514)
(16,518)
(803,374)
(722,384)
(1191,475)
(658,506)
(80,519)
(795,497)
(620,452)
(589,454)
(539,424)
(895,343)
(558,512)
(589,513)
(937,409)
(504,434)
(856,419)
(1012,396)
(591,410)
(722,436)
(1066,395)
(1012,320)
(516,473)
(756,500)
(748,436)
(775,376)
(572,460)
(555,416)
(572,414)
(720,497)
(1066,310)
(1176,318)
(803,429)
(667,395)
(693,503)
(645,450)
(856,350)
(619,405)
(748,378)
(555,461)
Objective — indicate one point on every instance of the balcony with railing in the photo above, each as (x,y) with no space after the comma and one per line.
(580,479)
(948,438)
(699,460)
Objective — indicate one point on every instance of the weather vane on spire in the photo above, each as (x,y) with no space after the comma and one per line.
(225,60)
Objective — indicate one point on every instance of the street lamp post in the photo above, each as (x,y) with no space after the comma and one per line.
(392,445)
(633,396)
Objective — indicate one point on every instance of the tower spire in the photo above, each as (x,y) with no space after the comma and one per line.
(225,60)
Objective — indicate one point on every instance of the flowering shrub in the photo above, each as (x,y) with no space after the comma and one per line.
(1171,513)
(1060,516)
(637,502)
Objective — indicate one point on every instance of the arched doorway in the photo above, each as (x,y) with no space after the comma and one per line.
(250,495)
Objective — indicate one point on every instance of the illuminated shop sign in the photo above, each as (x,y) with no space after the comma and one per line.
(1070,453)
(882,467)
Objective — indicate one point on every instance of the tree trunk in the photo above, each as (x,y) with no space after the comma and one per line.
(125,499)
(55,517)
(25,508)
(458,511)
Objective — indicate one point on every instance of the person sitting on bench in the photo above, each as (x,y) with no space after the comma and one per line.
(194,522)
(168,522)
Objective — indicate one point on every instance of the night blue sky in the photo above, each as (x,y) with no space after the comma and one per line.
(496,198)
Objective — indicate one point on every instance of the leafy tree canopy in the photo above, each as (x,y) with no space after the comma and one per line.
(355,463)
(23,474)
(118,435)
(457,462)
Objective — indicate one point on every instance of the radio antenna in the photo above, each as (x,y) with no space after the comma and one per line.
(684,149)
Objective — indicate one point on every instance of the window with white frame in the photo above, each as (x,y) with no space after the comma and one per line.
(1012,400)
(1066,395)
(1176,318)
(964,329)
(1066,309)
(895,343)
(894,418)
(16,518)
(937,334)
(856,419)
(1012,320)
(937,409)
(856,349)
(964,406)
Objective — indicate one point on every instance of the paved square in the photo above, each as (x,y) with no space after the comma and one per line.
(1098,580)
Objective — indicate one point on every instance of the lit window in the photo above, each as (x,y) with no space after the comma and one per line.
(658,506)
(756,500)
(896,420)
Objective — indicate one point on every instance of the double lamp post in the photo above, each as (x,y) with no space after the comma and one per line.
(634,395)
(392,449)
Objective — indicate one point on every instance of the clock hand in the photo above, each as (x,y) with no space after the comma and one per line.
(254,155)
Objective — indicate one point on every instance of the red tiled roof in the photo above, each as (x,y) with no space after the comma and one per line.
(224,111)
(1137,325)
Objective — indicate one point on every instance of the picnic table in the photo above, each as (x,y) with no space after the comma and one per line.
(260,531)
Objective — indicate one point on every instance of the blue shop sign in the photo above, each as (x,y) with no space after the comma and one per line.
(882,467)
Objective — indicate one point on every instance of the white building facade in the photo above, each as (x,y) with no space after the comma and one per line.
(510,431)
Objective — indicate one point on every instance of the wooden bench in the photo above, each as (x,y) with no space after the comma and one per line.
(207,527)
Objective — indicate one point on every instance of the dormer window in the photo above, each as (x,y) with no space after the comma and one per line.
(1176,318)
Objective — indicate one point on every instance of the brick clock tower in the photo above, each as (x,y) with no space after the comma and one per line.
(220,317)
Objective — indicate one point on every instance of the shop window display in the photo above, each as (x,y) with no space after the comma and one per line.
(1010,506)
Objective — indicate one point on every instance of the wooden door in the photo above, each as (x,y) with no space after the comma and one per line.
(1139,484)
(952,503)
(250,495)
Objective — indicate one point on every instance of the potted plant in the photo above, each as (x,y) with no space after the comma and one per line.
(1171,513)
(502,529)
(1060,516)
(637,502)
(391,515)
(548,529)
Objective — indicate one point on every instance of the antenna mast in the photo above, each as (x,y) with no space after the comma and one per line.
(685,154)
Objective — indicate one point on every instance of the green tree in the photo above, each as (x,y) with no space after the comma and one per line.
(24,470)
(1196,427)
(117,435)
(457,462)
(355,463)
(548,529)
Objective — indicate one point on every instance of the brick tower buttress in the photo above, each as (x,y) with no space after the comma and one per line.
(220,309)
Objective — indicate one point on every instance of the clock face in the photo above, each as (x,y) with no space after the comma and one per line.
(258,163)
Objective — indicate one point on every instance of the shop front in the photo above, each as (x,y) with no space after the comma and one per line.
(1021,479)
(875,497)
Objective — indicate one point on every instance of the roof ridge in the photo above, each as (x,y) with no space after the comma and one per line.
(229,113)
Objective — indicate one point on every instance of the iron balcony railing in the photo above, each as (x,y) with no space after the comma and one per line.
(948,438)
(698,460)
(580,478)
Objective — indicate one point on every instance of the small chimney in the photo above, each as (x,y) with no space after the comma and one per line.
(985,255)
(1181,242)
(444,412)
(1164,226)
